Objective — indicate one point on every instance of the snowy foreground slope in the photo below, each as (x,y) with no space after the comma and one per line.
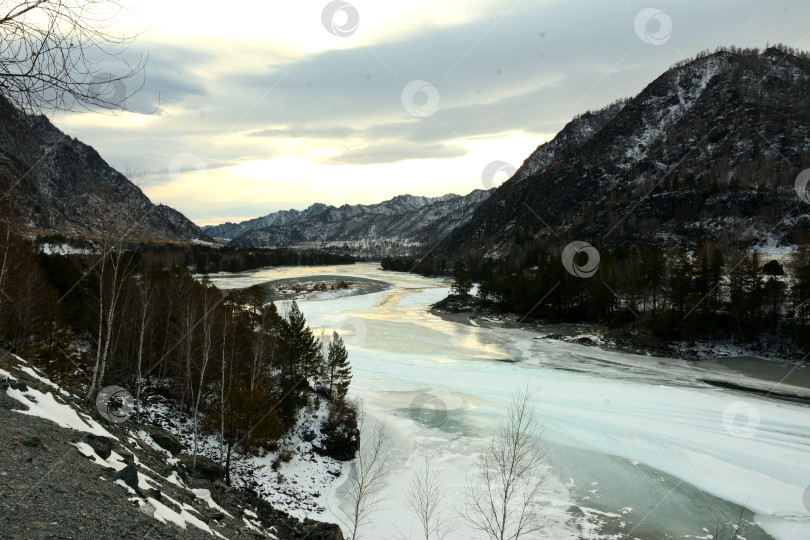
(65,472)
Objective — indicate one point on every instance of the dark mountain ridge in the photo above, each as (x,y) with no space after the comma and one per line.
(710,149)
(54,183)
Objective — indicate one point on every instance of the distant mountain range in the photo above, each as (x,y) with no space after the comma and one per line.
(711,148)
(406,220)
(57,184)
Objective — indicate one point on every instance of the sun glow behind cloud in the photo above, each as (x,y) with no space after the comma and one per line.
(291,180)
(250,107)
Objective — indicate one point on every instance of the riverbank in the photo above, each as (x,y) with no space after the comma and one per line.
(718,364)
(68,471)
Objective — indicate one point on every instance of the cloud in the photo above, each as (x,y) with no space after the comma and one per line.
(393,153)
(302,132)
(500,75)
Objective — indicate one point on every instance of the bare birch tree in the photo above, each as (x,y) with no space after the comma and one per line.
(366,476)
(424,498)
(209,304)
(503,497)
(229,318)
(113,269)
(5,248)
(145,294)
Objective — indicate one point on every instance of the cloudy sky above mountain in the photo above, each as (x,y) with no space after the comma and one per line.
(249,107)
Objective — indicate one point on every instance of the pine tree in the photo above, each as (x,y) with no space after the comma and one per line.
(248,419)
(462,284)
(774,291)
(653,269)
(736,290)
(299,346)
(752,281)
(339,372)
(301,358)
(800,302)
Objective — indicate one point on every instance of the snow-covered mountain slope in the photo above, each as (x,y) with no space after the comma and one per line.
(406,219)
(67,472)
(568,140)
(711,148)
(58,184)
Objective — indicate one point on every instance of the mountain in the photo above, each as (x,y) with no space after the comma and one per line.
(711,148)
(405,219)
(56,184)
(227,231)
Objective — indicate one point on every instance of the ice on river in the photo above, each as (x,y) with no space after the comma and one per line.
(638,446)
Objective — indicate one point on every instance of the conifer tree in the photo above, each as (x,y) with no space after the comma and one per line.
(300,348)
(462,283)
(339,373)
(301,358)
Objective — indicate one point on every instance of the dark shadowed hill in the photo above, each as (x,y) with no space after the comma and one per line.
(711,148)
(55,183)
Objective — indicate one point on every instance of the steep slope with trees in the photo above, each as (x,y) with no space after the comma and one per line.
(54,183)
(710,148)
(675,215)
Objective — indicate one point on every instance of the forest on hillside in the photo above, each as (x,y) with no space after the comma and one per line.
(687,294)
(240,369)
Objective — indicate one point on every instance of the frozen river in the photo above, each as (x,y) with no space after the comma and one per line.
(638,446)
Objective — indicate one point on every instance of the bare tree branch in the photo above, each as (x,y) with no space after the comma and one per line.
(53,55)
(425,497)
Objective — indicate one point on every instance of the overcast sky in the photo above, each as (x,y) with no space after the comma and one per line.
(254,106)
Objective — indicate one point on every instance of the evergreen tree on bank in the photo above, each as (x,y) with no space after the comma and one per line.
(338,371)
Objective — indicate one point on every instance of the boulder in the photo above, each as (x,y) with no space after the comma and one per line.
(129,475)
(102,446)
(167,441)
(315,530)
(204,468)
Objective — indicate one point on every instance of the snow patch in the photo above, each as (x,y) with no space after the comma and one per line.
(45,406)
